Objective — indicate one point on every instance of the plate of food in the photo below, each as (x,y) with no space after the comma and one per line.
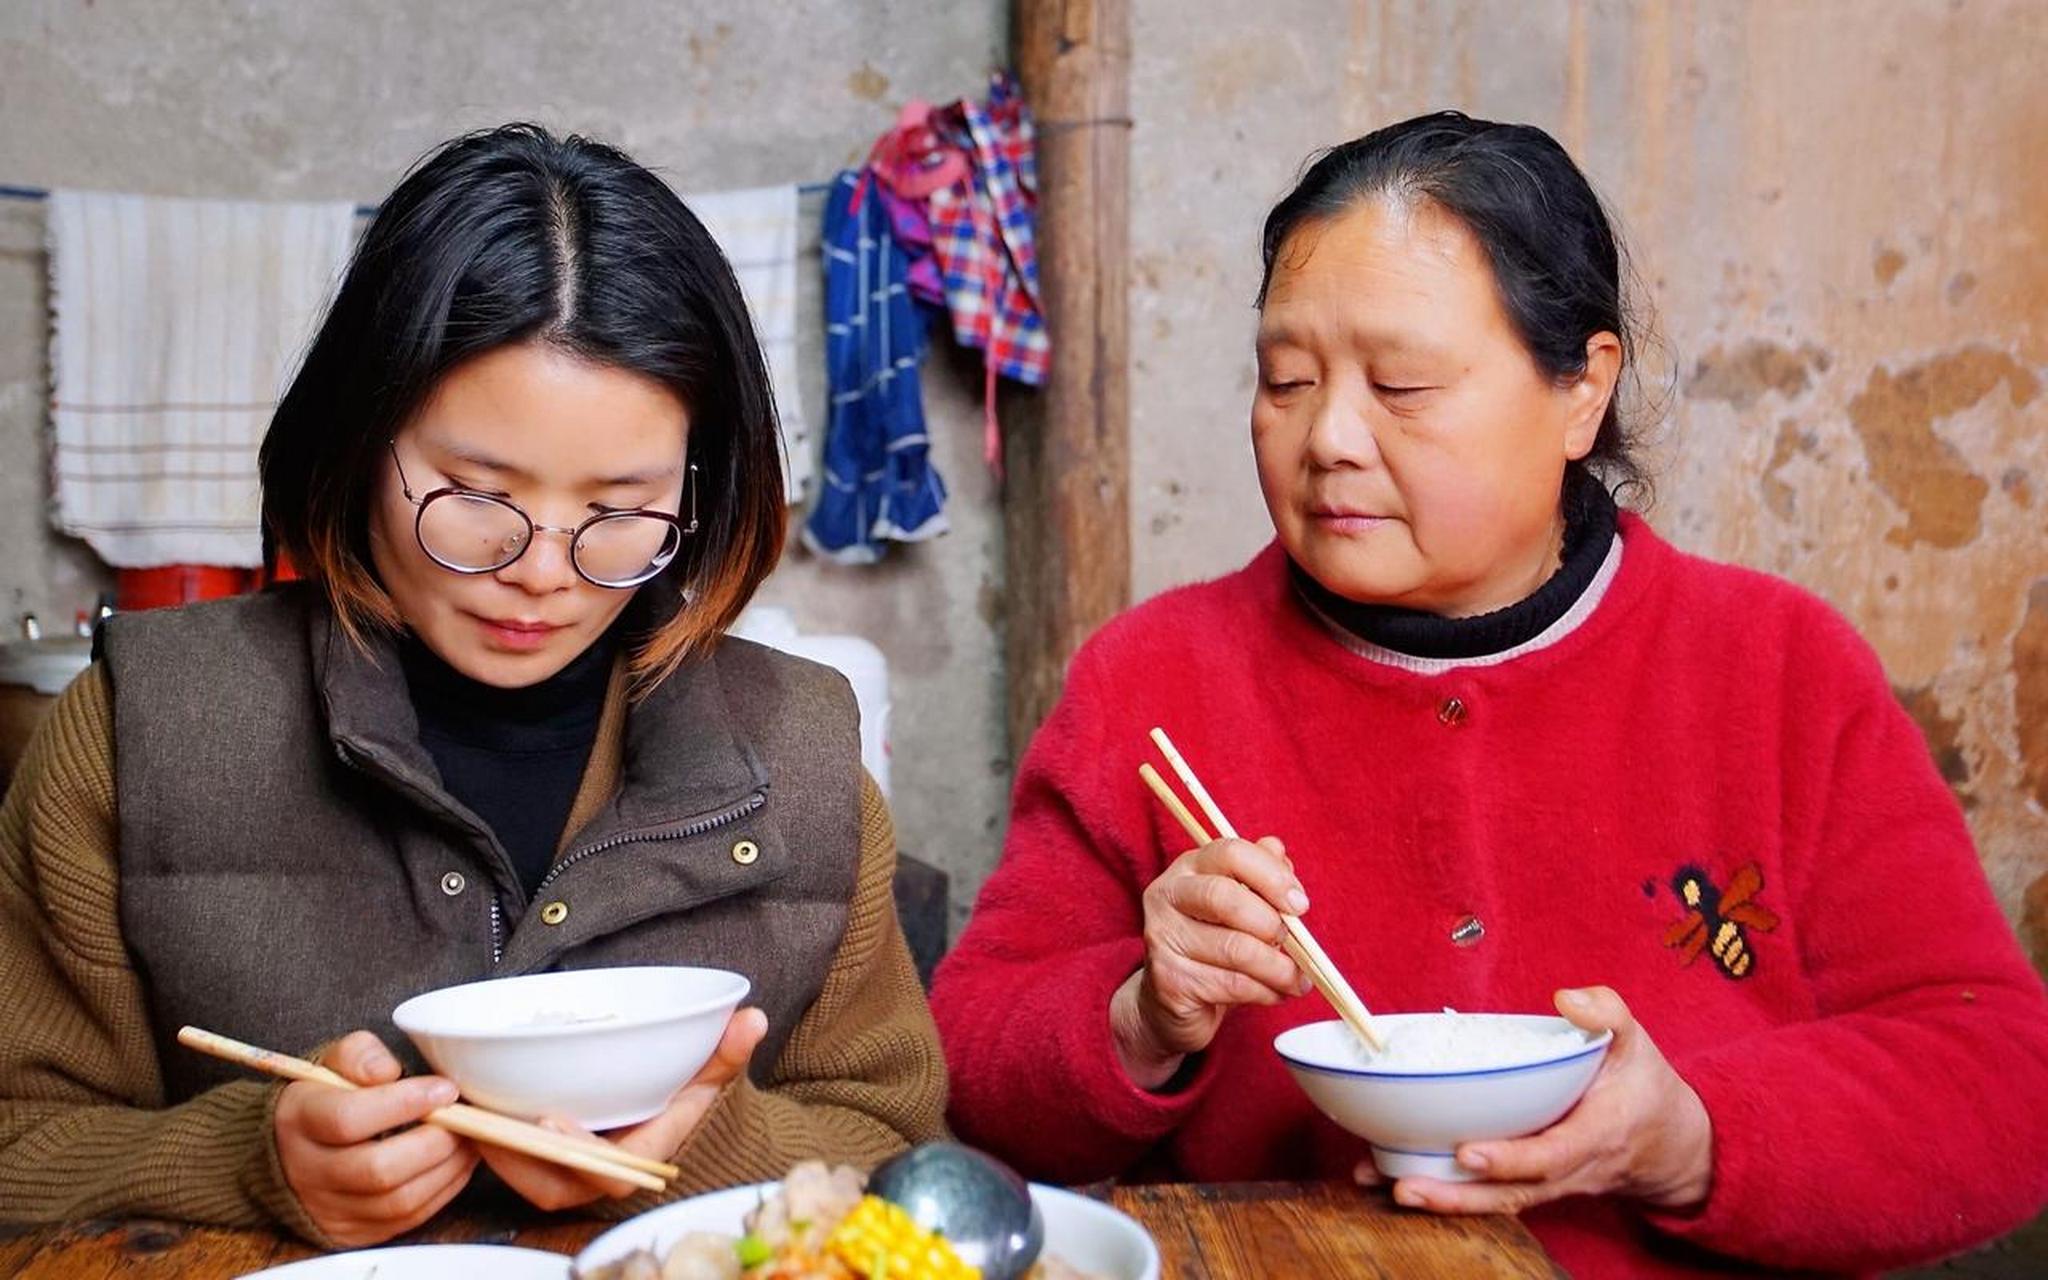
(818,1223)
(426,1262)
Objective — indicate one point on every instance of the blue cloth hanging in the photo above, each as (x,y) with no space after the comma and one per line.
(879,484)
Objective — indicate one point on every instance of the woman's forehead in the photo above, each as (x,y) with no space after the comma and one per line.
(529,411)
(1398,271)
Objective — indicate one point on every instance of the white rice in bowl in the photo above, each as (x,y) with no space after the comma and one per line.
(1454,1041)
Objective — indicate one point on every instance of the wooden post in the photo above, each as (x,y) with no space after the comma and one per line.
(1067,459)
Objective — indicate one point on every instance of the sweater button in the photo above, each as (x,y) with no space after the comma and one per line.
(453,883)
(1467,932)
(1451,711)
(745,853)
(554,913)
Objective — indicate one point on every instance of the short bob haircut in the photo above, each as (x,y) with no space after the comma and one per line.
(512,235)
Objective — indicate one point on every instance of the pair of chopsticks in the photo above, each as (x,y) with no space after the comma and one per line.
(1300,945)
(588,1155)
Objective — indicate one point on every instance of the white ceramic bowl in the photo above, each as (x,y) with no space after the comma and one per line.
(1415,1119)
(1081,1232)
(605,1047)
(426,1262)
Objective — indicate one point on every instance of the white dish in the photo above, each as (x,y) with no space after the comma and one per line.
(1081,1232)
(604,1047)
(1415,1119)
(426,1262)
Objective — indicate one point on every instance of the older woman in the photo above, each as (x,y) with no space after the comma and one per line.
(1521,750)
(531,471)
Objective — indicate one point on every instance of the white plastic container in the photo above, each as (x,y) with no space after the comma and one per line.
(858,660)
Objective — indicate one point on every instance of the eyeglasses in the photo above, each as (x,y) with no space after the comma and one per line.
(469,532)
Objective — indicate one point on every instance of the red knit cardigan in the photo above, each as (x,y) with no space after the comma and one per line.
(1877,1072)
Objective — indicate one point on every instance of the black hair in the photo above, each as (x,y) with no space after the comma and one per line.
(1556,261)
(513,235)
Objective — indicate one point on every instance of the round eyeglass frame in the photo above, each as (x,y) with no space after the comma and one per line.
(573,533)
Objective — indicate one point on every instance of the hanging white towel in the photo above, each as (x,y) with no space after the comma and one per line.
(176,325)
(757,229)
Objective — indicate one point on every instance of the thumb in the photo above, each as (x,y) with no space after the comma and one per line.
(1595,1009)
(362,1058)
(743,1033)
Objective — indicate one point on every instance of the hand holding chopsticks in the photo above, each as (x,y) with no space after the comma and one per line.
(586,1155)
(1298,942)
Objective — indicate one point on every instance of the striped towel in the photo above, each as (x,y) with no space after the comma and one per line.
(175,326)
(757,229)
(880,484)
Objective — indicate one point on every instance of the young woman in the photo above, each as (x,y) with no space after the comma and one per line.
(530,473)
(1516,745)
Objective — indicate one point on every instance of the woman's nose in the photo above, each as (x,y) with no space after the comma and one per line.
(1342,430)
(545,566)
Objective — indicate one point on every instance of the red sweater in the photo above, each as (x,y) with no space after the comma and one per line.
(1877,1078)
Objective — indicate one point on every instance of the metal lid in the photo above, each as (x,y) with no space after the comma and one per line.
(45,666)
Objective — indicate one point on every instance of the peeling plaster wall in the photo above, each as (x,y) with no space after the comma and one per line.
(1839,215)
(256,99)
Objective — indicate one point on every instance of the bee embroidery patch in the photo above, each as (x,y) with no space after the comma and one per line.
(1715,918)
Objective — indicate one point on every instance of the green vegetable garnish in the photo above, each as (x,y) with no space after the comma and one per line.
(753,1251)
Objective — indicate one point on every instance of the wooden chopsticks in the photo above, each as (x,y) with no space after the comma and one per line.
(589,1155)
(1300,944)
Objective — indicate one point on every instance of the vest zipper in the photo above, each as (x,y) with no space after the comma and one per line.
(695,827)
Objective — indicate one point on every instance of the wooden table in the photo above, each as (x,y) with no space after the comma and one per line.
(1254,1230)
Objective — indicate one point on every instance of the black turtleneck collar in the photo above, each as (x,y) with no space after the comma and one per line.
(514,757)
(568,701)
(1589,531)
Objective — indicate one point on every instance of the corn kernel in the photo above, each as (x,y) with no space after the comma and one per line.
(880,1241)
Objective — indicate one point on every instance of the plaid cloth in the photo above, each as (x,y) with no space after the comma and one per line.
(880,485)
(982,235)
(912,233)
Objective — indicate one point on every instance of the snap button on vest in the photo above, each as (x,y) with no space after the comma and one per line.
(745,852)
(453,883)
(1468,931)
(1451,712)
(554,912)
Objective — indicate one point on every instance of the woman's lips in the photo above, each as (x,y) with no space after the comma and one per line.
(515,634)
(1345,520)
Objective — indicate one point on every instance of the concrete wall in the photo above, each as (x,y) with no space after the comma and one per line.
(1835,205)
(1839,214)
(254,98)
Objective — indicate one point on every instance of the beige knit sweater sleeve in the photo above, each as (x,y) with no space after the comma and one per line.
(83,1128)
(862,1076)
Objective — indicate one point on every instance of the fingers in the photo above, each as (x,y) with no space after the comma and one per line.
(1230,951)
(1367,1174)
(1596,1009)
(1552,1155)
(547,1185)
(1262,868)
(551,1187)
(743,1032)
(453,1177)
(408,1204)
(1472,1197)
(666,1133)
(338,1118)
(368,1192)
(375,1168)
(362,1058)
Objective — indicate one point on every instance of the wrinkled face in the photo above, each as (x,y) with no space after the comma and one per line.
(1410,450)
(565,440)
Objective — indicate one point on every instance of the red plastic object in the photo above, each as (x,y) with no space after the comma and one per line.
(174,584)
